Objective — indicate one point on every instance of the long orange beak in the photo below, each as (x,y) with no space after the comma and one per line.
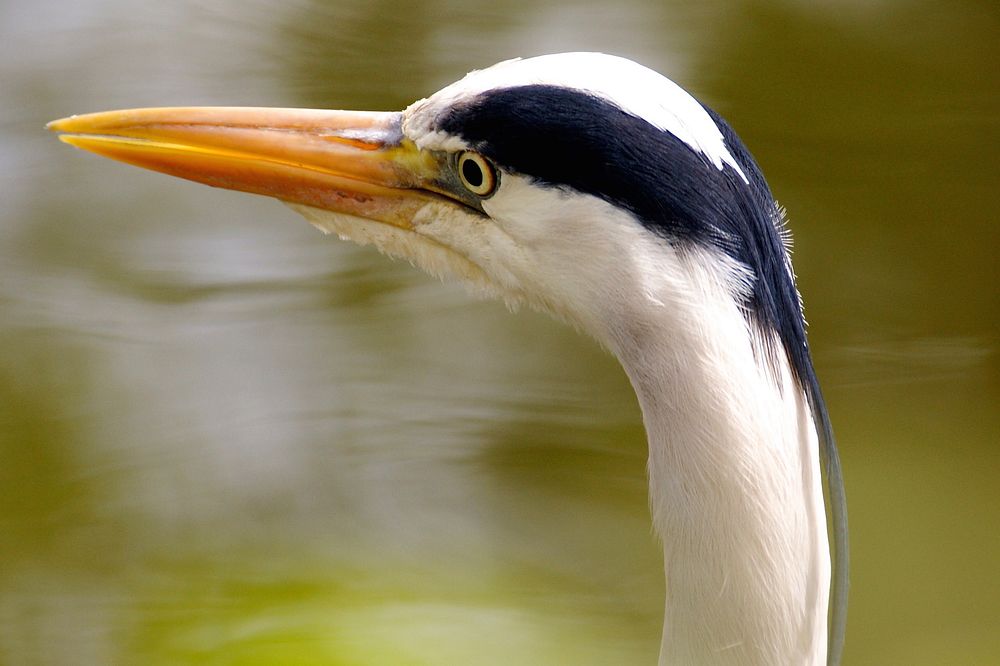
(352,162)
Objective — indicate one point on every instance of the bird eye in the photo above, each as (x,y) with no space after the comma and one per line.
(478,175)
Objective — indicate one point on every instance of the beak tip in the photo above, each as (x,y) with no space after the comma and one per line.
(62,124)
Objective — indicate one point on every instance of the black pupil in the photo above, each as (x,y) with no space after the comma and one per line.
(472,173)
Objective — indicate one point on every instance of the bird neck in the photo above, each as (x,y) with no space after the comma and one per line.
(734,477)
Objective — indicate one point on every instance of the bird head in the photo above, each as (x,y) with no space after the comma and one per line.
(567,182)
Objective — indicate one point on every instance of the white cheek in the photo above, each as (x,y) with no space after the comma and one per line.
(576,249)
(528,219)
(531,214)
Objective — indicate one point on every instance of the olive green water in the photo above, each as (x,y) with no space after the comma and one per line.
(227,439)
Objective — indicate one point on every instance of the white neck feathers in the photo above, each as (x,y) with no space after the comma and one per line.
(734,476)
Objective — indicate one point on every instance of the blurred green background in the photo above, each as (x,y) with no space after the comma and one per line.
(227,439)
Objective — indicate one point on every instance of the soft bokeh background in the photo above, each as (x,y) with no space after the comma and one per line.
(227,439)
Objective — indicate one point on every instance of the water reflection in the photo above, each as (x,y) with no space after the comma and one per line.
(225,437)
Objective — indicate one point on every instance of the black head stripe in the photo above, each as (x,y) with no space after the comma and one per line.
(563,137)
(566,137)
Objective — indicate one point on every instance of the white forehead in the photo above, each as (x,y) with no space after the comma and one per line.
(635,89)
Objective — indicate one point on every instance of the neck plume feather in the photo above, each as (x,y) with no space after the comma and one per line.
(734,476)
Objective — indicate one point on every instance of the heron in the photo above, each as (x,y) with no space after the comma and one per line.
(596,190)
